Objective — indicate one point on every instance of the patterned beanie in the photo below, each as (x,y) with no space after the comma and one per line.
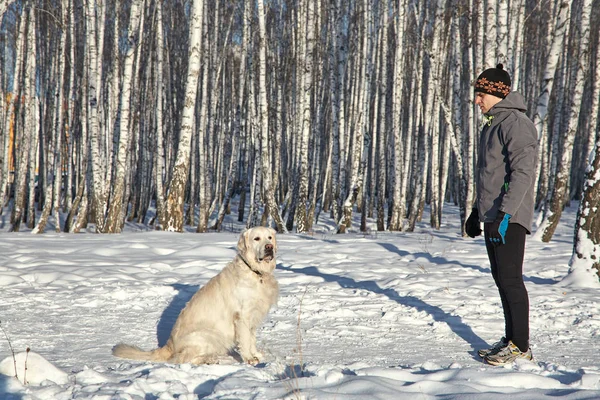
(494,81)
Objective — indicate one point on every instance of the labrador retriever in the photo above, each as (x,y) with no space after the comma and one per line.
(224,314)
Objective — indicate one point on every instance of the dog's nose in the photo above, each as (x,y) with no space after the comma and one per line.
(268,246)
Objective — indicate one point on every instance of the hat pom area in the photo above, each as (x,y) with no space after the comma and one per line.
(500,66)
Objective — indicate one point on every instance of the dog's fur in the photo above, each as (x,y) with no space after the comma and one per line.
(223,315)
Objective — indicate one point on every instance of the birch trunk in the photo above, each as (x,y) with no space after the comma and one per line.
(560,192)
(99,194)
(502,35)
(22,135)
(177,185)
(361,128)
(203,133)
(114,219)
(586,242)
(585,260)
(53,142)
(11,123)
(383,120)
(159,155)
(398,204)
(305,43)
(490,32)
(555,51)
(32,121)
(265,155)
(336,59)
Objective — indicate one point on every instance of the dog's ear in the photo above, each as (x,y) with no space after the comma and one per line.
(242,245)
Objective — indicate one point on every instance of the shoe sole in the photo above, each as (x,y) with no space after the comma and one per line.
(500,363)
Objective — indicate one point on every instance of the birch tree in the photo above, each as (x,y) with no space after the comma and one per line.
(11,122)
(558,199)
(115,214)
(31,117)
(383,120)
(268,184)
(23,131)
(361,111)
(53,141)
(159,161)
(398,204)
(98,171)
(585,261)
(4,6)
(177,185)
(556,45)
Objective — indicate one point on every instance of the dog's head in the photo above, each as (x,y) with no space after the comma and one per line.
(258,247)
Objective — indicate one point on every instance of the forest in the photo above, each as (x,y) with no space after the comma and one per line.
(298,110)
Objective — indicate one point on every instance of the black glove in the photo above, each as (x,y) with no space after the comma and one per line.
(498,229)
(472,226)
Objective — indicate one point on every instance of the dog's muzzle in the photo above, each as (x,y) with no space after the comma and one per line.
(269,254)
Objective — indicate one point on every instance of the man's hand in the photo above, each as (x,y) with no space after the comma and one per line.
(498,229)
(472,226)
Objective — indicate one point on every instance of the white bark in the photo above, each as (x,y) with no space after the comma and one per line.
(502,35)
(265,154)
(23,137)
(202,133)
(489,28)
(175,199)
(4,4)
(584,264)
(398,203)
(13,105)
(362,123)
(554,54)
(159,167)
(32,115)
(560,193)
(515,41)
(96,141)
(114,219)
(53,145)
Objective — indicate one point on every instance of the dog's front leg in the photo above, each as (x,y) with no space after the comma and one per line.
(246,341)
(253,349)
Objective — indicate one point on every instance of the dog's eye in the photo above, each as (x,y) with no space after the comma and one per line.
(270,237)
(257,238)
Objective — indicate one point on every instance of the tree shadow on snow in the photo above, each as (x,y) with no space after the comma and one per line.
(433,259)
(455,322)
(170,314)
(4,393)
(441,260)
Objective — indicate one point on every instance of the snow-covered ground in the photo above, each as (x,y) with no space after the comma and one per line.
(360,316)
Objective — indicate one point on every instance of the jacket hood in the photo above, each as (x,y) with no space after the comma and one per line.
(513,101)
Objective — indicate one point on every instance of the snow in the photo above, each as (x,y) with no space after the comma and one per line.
(376,315)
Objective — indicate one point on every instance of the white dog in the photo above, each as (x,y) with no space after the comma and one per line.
(224,314)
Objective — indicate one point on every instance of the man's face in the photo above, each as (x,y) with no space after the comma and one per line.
(486,101)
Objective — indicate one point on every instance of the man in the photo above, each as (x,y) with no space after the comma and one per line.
(505,180)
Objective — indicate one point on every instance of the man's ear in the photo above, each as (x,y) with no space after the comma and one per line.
(242,245)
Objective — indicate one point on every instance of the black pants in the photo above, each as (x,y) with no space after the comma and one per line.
(507,269)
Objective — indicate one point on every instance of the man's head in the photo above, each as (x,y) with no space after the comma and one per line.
(491,86)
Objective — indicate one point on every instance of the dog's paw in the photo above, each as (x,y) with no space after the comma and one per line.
(253,360)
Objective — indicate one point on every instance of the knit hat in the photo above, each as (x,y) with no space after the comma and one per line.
(494,81)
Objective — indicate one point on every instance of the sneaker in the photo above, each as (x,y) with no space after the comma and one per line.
(508,355)
(496,347)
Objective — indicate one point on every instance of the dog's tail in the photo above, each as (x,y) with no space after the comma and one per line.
(135,353)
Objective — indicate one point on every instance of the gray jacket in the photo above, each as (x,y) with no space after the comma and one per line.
(505,174)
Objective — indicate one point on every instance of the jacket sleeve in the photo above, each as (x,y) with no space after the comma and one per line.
(520,139)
